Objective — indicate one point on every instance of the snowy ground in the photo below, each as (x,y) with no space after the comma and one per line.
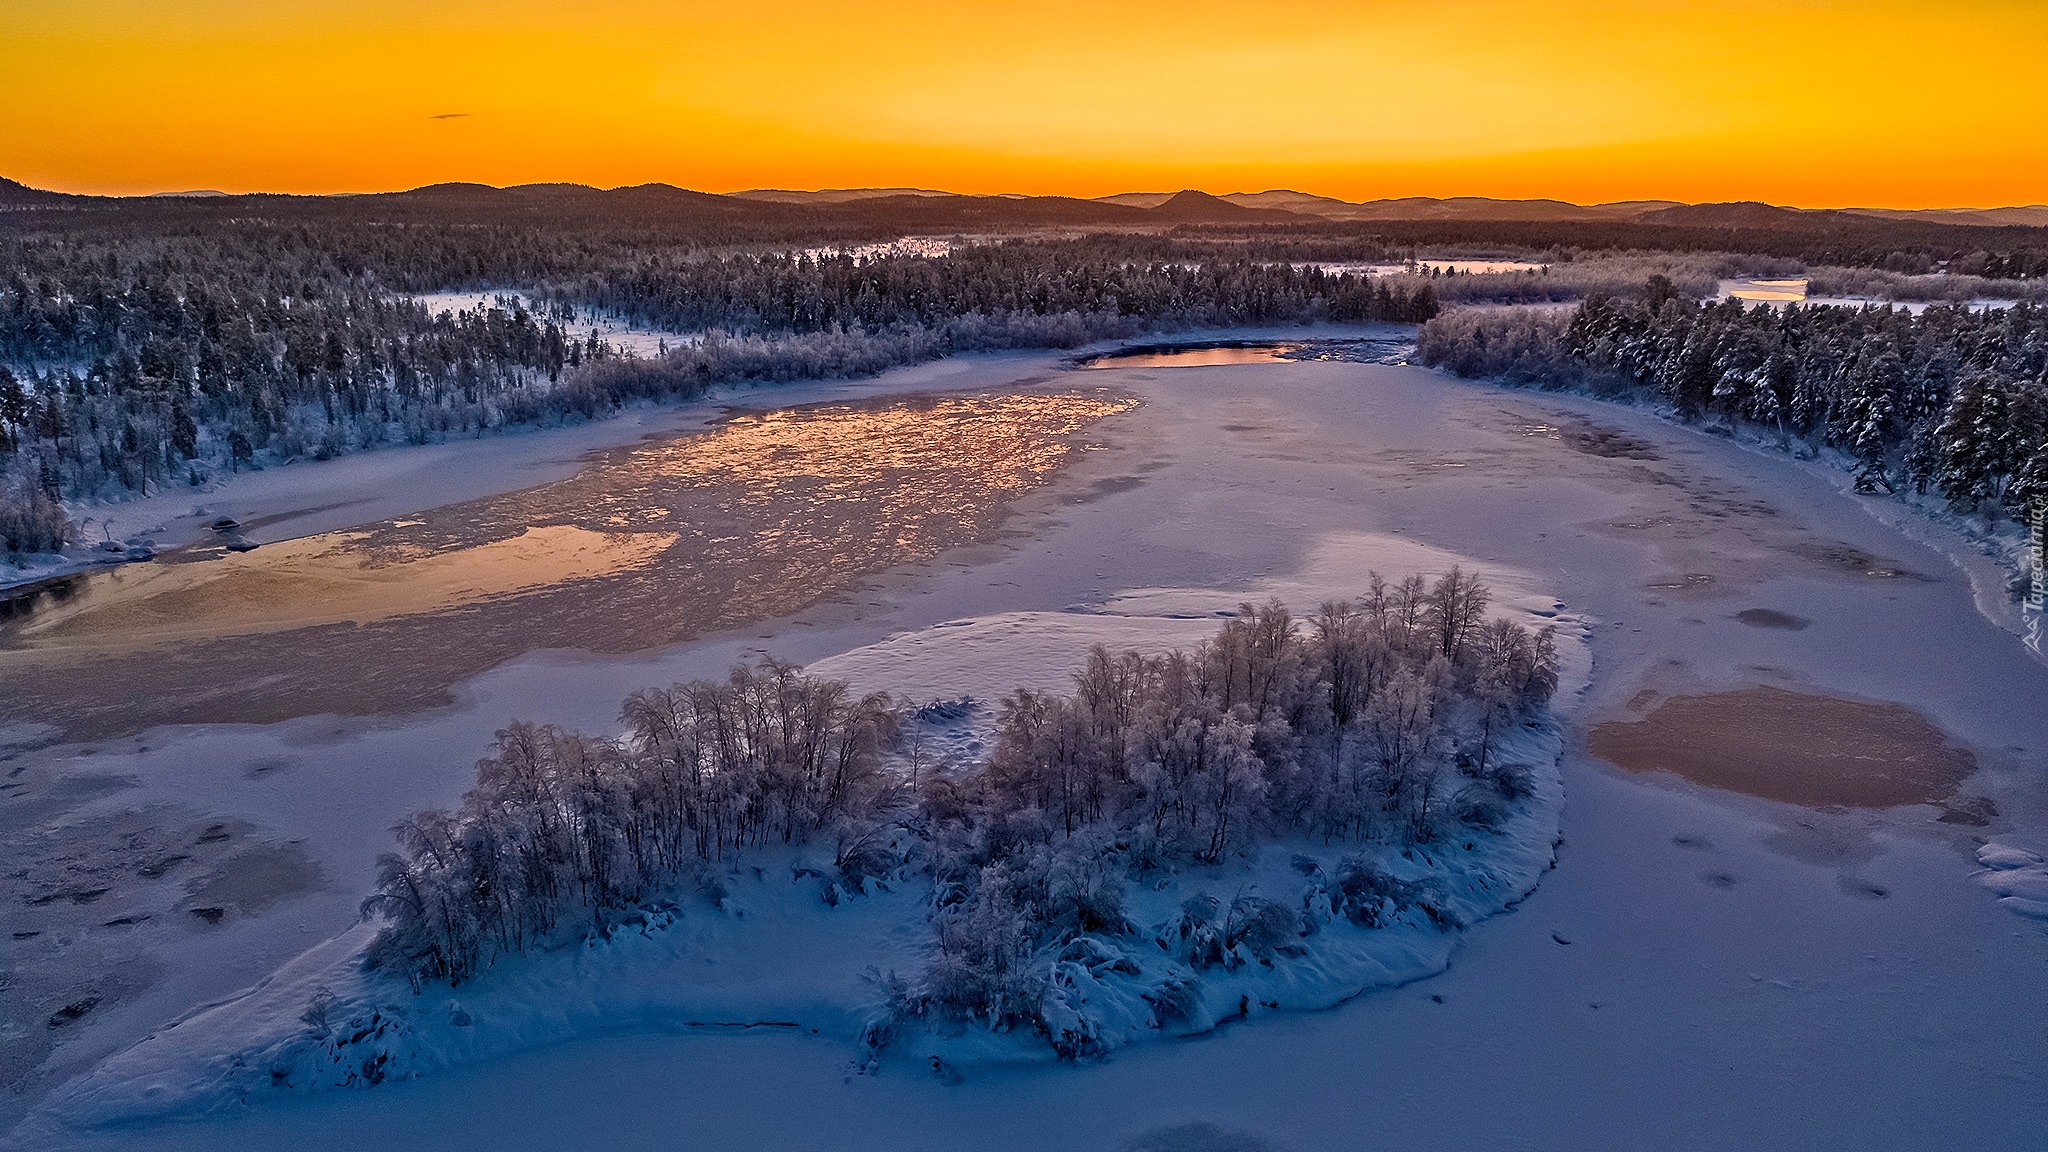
(1703,970)
(926,247)
(632,339)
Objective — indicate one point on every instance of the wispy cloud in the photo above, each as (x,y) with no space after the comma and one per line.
(449,116)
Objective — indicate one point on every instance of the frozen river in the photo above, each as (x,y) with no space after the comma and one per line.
(1704,969)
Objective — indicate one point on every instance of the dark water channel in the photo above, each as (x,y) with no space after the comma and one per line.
(1227,353)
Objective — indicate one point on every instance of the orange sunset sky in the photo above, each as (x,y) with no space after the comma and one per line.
(1877,102)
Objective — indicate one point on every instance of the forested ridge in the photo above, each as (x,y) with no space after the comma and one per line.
(658,214)
(1951,401)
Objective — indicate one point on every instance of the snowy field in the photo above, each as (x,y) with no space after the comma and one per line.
(626,337)
(1702,969)
(922,247)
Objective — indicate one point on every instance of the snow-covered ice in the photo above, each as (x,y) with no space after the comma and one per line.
(2019,876)
(1701,970)
(769,952)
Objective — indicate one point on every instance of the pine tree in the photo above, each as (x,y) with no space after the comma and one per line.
(1871,442)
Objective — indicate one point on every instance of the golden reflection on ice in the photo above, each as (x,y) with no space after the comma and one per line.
(1196,357)
(331,578)
(645,546)
(1764,291)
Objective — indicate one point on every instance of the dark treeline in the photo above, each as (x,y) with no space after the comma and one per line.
(128,363)
(1837,239)
(1376,721)
(1094,276)
(1951,401)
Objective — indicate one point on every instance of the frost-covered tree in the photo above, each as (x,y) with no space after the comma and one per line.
(1378,719)
(563,829)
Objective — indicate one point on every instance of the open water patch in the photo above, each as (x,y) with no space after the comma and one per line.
(1231,353)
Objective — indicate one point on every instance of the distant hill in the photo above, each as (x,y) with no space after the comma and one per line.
(832,195)
(783,217)
(937,209)
(1191,207)
(1288,200)
(2030,216)
(1407,208)
(1743,214)
(1136,199)
(14,195)
(1411,207)
(1484,208)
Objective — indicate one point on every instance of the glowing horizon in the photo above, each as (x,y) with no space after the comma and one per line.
(1814,103)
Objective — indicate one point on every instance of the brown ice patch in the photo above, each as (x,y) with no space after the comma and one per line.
(1590,439)
(1687,582)
(1791,747)
(1772,618)
(331,578)
(1106,487)
(251,881)
(1969,811)
(1849,560)
(1594,440)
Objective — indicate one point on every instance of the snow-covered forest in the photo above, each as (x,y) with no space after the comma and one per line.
(1374,722)
(127,365)
(1948,400)
(146,345)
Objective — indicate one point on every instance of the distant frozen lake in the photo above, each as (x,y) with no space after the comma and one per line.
(1193,357)
(1424,267)
(1214,354)
(1771,291)
(1794,291)
(1478,267)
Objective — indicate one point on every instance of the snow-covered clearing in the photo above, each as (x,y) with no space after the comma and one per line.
(922,247)
(621,334)
(1702,970)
